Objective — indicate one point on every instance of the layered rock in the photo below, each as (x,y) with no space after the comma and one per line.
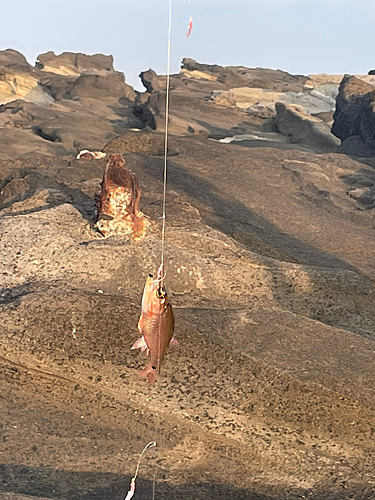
(240,76)
(65,104)
(69,63)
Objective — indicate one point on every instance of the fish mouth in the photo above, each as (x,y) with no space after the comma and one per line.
(161,292)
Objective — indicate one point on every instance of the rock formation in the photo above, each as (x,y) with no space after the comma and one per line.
(118,201)
(49,109)
(354,118)
(269,255)
(69,63)
(301,128)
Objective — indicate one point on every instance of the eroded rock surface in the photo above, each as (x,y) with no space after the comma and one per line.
(65,104)
(269,255)
(270,266)
(118,201)
(301,128)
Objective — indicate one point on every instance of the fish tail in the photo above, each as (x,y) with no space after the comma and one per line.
(150,372)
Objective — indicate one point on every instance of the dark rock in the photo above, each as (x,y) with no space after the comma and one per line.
(356,146)
(152,82)
(354,116)
(348,106)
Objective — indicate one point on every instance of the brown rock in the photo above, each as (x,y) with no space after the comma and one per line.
(301,128)
(118,203)
(69,63)
(240,76)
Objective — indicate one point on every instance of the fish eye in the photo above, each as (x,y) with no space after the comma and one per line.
(151,276)
(153,367)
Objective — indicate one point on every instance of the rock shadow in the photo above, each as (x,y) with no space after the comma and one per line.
(44,482)
(361,188)
(33,192)
(230,216)
(14,295)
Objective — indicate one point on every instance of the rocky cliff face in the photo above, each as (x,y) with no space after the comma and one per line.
(64,104)
(270,267)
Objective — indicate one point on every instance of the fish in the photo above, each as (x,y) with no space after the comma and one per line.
(156,324)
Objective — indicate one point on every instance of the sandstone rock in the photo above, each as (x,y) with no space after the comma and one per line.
(63,113)
(10,58)
(272,279)
(16,84)
(190,113)
(99,86)
(292,122)
(118,203)
(69,63)
(143,142)
(312,101)
(240,76)
(152,82)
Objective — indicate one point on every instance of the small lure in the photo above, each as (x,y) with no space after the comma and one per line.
(190,27)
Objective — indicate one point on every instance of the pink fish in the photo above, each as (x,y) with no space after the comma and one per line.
(156,324)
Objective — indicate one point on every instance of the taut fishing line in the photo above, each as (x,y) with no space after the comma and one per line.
(161,268)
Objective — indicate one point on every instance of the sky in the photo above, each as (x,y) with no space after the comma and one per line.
(298,36)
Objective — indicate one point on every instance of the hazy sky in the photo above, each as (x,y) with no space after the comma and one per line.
(298,36)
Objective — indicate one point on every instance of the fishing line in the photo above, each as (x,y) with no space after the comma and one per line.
(166,134)
(131,491)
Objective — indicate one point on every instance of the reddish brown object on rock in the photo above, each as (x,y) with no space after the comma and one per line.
(118,203)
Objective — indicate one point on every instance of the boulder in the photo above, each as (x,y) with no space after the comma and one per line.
(152,82)
(301,128)
(62,111)
(354,116)
(348,106)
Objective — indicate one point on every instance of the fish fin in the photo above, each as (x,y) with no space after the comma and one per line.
(150,373)
(140,324)
(140,344)
(173,341)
